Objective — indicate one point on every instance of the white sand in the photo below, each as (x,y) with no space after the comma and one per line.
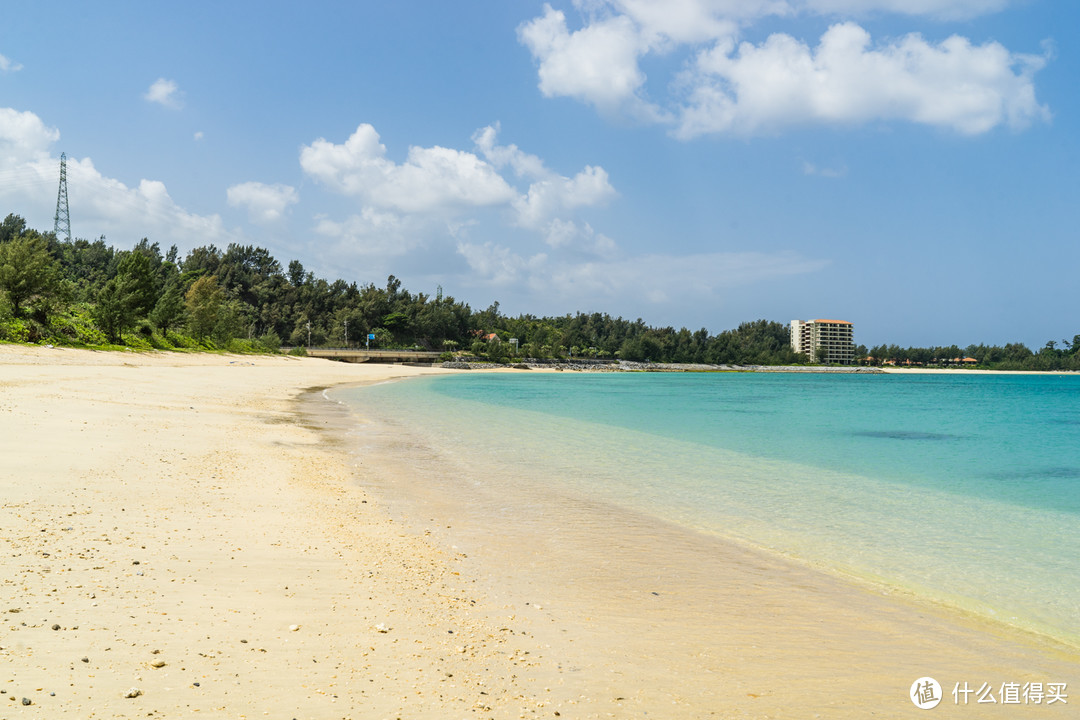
(165,508)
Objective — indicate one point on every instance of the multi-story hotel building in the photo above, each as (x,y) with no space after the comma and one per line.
(835,339)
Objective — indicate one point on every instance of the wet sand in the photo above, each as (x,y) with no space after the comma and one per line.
(191,528)
(659,620)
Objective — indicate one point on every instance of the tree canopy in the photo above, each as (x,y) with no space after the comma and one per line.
(87,292)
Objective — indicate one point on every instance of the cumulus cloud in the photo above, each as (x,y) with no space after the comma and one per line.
(165,93)
(146,210)
(546,198)
(8,65)
(953,84)
(431,179)
(597,64)
(24,137)
(444,186)
(549,194)
(100,205)
(265,204)
(742,88)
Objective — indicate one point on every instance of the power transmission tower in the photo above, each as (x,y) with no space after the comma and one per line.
(62,221)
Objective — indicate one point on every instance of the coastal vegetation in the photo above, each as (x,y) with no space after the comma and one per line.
(241,299)
(1013,356)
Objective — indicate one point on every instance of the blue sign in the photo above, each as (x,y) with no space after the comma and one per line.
(371,336)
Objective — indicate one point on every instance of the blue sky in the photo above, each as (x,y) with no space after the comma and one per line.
(909,165)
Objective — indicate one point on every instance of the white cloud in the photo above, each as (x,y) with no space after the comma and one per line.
(198,135)
(24,137)
(265,204)
(782,82)
(438,186)
(103,205)
(434,179)
(597,64)
(417,209)
(549,197)
(745,88)
(550,194)
(165,93)
(29,177)
(7,65)
(522,163)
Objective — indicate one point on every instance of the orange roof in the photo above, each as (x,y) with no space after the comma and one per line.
(834,322)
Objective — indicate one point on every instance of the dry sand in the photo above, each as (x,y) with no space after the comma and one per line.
(180,525)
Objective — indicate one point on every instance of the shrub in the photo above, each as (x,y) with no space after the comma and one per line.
(270,341)
(183,342)
(136,340)
(242,346)
(14,330)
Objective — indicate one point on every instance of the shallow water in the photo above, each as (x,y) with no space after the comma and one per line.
(962,489)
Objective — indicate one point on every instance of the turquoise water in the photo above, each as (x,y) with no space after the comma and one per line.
(964,489)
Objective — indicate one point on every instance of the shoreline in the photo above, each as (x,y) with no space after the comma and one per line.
(663,578)
(627,366)
(202,507)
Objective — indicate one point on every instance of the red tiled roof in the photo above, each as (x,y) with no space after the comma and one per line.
(833,322)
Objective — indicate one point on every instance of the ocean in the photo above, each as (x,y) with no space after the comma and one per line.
(963,489)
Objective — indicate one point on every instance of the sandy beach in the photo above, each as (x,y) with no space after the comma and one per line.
(191,531)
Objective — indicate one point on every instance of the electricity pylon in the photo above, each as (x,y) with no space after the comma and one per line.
(62,220)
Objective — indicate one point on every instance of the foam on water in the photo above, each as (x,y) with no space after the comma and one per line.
(962,489)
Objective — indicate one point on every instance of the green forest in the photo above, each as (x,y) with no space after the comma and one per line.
(89,294)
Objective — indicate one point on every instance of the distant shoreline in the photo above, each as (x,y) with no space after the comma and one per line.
(972,371)
(628,366)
